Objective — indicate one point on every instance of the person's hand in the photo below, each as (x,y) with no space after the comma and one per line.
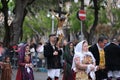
(31,65)
(101,67)
(92,67)
(55,53)
(96,68)
(26,65)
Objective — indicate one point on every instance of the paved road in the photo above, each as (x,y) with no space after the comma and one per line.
(37,75)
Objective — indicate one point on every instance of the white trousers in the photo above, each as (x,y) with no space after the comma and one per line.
(53,73)
(114,74)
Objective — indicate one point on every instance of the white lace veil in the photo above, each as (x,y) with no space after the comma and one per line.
(78,47)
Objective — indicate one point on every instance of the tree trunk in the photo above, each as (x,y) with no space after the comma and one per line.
(92,30)
(16,26)
(7,28)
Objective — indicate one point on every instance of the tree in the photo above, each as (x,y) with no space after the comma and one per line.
(7,28)
(13,33)
(20,12)
(92,30)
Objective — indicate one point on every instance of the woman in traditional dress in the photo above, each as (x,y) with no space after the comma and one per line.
(24,50)
(6,69)
(83,62)
(68,58)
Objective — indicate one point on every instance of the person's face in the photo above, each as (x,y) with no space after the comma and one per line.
(71,45)
(53,38)
(102,44)
(8,59)
(85,47)
(27,48)
(65,42)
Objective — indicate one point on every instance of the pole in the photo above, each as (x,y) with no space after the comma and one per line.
(52,24)
(82,36)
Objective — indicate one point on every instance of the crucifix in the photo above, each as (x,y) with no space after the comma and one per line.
(61,19)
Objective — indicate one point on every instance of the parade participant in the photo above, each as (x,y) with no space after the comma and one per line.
(68,58)
(6,69)
(28,72)
(53,55)
(40,48)
(83,62)
(24,50)
(99,54)
(112,65)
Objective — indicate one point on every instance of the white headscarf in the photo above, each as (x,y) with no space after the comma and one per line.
(78,47)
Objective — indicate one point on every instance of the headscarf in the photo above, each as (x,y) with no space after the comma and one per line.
(22,53)
(78,47)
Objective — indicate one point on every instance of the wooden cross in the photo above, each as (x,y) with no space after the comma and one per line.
(59,11)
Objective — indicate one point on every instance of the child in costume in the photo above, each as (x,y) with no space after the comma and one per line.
(6,69)
(28,68)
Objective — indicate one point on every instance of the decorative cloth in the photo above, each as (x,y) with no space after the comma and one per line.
(102,58)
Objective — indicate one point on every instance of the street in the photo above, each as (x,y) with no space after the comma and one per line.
(37,75)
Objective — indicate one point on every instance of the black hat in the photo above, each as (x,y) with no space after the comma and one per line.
(52,35)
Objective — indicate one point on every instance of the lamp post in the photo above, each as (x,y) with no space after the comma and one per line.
(52,17)
(52,24)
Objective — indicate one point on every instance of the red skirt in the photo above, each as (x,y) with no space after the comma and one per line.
(69,77)
(19,74)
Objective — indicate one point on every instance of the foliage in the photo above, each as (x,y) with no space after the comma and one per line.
(11,5)
(0,5)
(89,18)
(74,22)
(103,16)
(116,13)
(40,23)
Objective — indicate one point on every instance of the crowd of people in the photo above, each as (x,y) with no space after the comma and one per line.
(78,61)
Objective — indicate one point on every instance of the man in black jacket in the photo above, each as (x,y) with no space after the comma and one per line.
(53,54)
(99,54)
(113,59)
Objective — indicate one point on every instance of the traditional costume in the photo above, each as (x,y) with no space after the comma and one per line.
(22,73)
(99,55)
(68,58)
(112,60)
(83,58)
(53,61)
(6,71)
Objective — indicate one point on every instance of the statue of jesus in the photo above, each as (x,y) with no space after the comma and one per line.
(61,20)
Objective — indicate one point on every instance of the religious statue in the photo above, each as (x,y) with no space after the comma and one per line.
(61,20)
